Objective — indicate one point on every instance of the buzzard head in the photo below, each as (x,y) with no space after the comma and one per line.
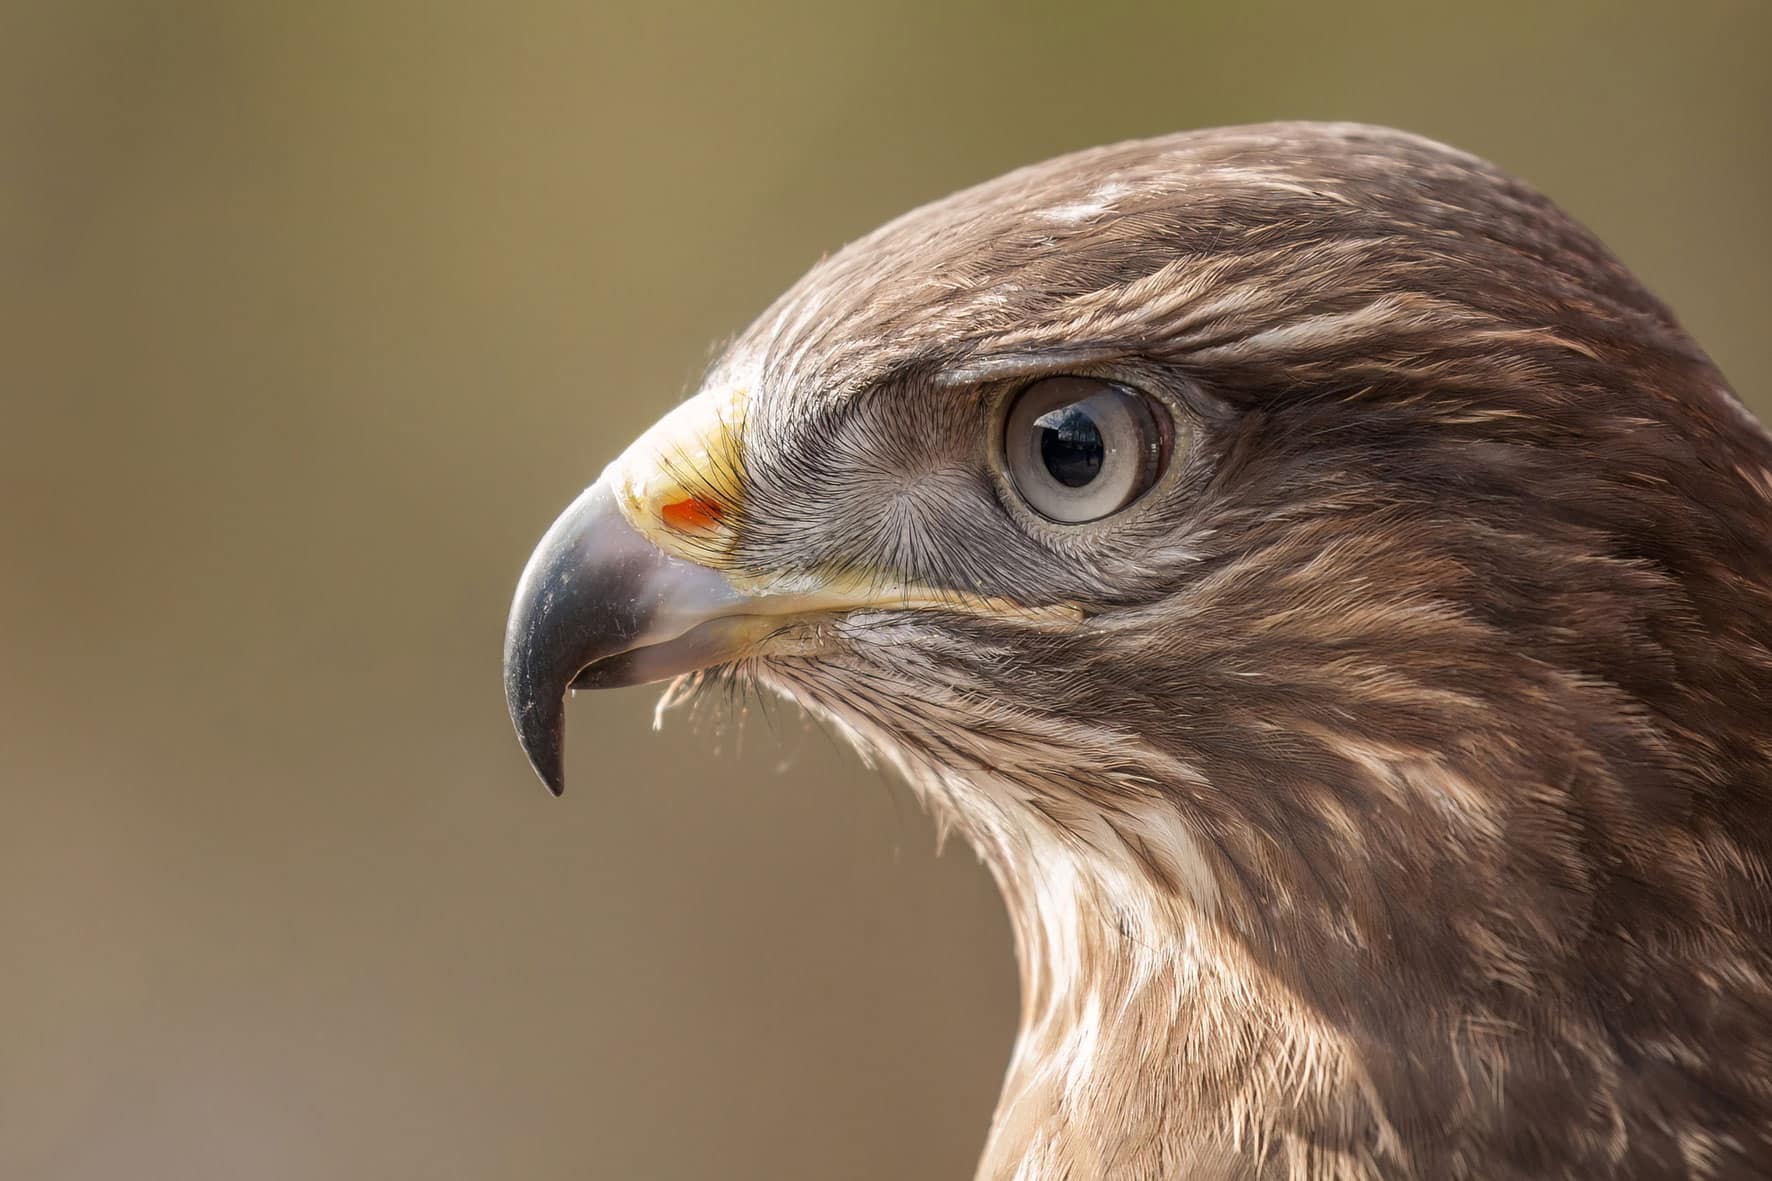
(1332,596)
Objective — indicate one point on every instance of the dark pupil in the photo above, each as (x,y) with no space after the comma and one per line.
(1070,445)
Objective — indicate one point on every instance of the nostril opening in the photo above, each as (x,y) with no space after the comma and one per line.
(692,514)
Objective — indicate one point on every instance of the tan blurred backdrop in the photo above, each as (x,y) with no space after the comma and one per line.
(313,315)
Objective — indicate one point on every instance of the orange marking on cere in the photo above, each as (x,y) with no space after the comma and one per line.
(693,512)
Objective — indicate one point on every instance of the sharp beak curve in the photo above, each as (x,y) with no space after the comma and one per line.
(599,606)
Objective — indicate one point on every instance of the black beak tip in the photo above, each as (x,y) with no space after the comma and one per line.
(541,639)
(535,693)
(547,755)
(540,723)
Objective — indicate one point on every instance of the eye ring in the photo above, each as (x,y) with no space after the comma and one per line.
(1078,449)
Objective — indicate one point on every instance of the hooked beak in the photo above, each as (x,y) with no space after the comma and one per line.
(598,607)
(621,590)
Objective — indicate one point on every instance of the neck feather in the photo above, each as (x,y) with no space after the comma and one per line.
(1150,1043)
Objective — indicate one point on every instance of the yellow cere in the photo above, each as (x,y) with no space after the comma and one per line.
(681,483)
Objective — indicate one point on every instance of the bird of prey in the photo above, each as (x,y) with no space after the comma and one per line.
(1332,596)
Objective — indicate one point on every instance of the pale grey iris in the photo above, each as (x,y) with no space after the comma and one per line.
(1078,449)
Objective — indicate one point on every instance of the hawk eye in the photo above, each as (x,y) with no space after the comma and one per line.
(1078,448)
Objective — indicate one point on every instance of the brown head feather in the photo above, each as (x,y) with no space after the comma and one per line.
(1405,807)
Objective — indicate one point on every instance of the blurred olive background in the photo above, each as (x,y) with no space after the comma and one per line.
(313,316)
